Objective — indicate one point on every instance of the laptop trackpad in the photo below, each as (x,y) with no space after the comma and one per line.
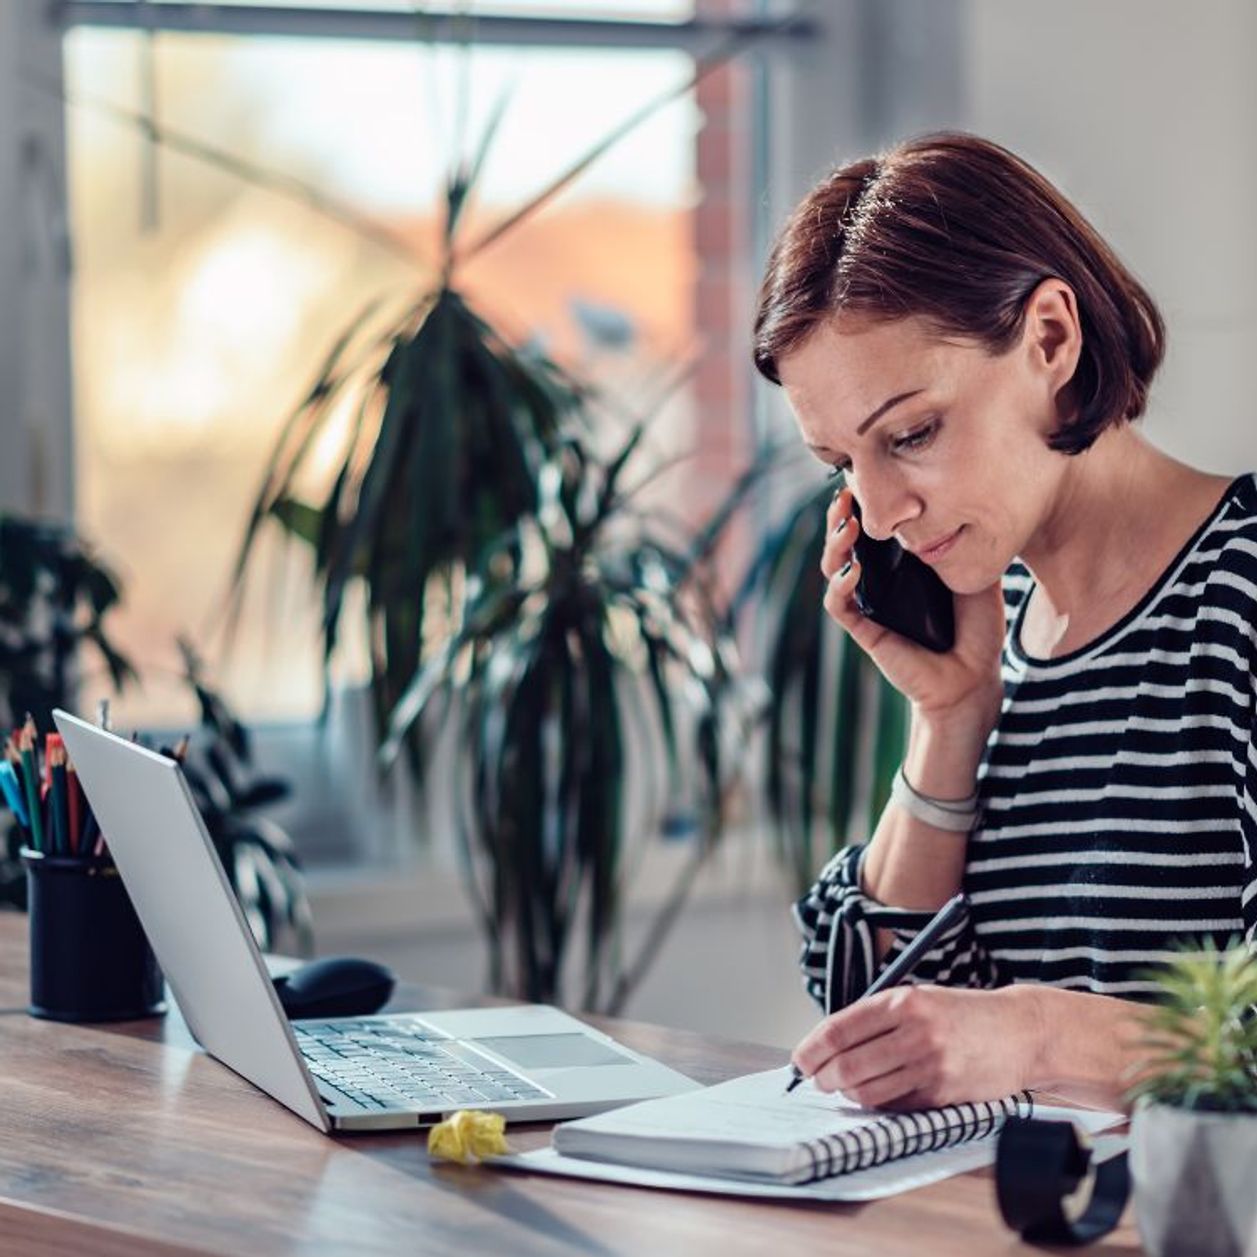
(552,1051)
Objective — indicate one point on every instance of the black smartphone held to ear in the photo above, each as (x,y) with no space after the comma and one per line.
(900,592)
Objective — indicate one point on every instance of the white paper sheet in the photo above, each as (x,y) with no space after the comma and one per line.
(881,1180)
(753,1109)
(761,1092)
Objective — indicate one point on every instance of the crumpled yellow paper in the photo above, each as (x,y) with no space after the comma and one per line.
(469,1135)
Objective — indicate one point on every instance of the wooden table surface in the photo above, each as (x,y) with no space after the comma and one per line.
(126,1139)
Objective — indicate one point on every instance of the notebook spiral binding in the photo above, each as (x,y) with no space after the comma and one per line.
(904,1134)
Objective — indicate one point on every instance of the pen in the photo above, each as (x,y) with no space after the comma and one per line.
(907,960)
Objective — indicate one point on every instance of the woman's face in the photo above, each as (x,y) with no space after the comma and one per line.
(944,446)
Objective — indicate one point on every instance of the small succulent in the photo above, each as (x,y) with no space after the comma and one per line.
(1201,1037)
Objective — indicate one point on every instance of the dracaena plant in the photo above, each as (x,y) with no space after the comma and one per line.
(466,463)
(607,625)
(450,425)
(1200,1040)
(835,726)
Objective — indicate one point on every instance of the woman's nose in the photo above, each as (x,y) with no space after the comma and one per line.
(884,506)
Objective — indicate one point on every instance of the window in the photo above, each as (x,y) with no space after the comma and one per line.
(194,333)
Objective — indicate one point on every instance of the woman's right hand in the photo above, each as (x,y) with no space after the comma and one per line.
(966,679)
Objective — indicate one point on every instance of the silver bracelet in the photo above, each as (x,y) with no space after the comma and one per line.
(955,815)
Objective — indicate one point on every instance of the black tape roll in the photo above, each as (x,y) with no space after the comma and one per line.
(1050,1191)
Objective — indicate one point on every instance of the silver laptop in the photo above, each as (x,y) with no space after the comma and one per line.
(529,1063)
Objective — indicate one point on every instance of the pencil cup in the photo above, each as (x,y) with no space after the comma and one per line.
(90,958)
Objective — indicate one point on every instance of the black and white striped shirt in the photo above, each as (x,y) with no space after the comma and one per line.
(1117,793)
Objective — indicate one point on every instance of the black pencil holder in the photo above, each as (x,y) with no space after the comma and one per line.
(90,957)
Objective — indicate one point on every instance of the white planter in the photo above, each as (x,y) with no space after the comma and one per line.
(1195,1182)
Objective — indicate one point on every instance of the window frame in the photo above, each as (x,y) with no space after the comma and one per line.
(811,99)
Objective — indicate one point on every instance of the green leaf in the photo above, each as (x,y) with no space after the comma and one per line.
(734,45)
(785,574)
(301,520)
(467,176)
(847,719)
(1200,1039)
(889,741)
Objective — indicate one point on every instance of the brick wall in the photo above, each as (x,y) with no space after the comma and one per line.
(724,291)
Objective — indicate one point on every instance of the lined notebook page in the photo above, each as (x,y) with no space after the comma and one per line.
(748,1128)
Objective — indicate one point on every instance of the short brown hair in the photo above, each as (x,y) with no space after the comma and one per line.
(961,231)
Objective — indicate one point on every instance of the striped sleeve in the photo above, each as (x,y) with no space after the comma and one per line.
(1248,828)
(838,923)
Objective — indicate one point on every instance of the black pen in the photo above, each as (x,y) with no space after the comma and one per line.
(906,961)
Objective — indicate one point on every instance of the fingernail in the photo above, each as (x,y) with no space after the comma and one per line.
(839,526)
(846,567)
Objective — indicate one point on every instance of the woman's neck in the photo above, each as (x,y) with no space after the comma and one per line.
(1122,511)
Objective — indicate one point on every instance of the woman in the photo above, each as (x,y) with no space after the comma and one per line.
(962,347)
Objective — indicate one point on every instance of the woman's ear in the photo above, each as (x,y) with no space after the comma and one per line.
(1052,339)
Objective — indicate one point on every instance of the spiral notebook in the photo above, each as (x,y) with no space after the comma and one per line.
(748,1129)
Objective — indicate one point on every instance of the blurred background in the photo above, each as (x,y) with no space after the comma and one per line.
(197,198)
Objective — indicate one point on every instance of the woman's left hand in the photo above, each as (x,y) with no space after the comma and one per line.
(921,1046)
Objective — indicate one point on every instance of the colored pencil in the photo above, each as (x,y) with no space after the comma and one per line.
(60,804)
(51,741)
(30,772)
(91,833)
(11,785)
(74,802)
(13,758)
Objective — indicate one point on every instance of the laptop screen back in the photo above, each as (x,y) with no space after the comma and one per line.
(185,903)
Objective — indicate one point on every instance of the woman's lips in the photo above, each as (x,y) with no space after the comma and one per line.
(934,552)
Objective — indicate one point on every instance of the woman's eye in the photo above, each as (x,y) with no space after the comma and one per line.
(839,469)
(918,439)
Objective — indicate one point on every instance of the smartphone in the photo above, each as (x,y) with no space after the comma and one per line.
(902,593)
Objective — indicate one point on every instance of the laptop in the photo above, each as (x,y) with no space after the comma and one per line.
(528,1062)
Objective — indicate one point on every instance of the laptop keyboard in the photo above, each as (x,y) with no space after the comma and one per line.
(391,1063)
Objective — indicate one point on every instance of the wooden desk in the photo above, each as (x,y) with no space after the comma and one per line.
(126,1140)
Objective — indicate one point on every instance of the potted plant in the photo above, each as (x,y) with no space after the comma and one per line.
(1194,1126)
(451,423)
(55,596)
(607,626)
(258,856)
(466,457)
(836,727)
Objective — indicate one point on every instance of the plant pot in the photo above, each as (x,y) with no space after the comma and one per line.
(1195,1181)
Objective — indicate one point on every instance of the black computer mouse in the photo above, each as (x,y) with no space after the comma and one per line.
(336,986)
